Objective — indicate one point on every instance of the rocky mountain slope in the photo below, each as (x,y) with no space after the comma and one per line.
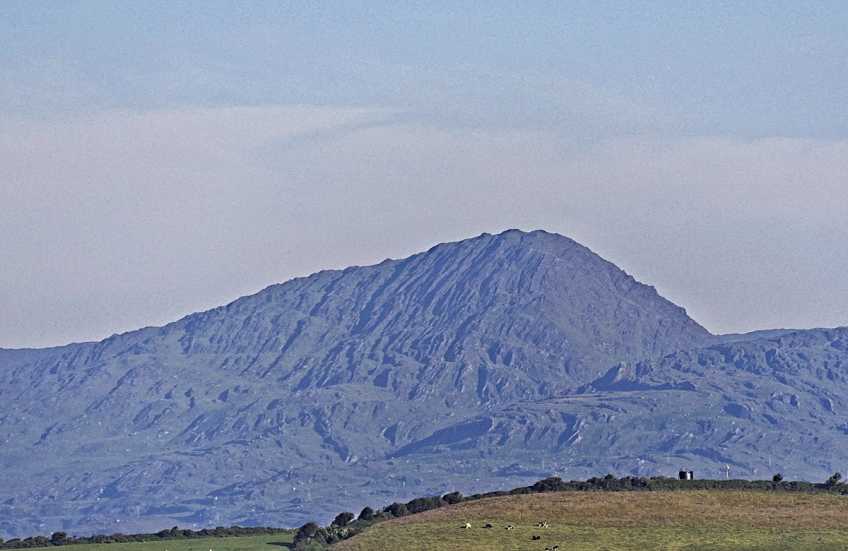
(483,363)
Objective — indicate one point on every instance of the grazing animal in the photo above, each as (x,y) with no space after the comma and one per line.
(510,527)
(537,538)
(488,525)
(467,525)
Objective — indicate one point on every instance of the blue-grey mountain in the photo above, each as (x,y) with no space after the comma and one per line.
(481,364)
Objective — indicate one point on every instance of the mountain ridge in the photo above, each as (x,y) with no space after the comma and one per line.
(441,370)
(331,271)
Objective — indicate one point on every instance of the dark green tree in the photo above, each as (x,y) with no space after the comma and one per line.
(397,509)
(306,531)
(367,514)
(452,498)
(343,519)
(777,478)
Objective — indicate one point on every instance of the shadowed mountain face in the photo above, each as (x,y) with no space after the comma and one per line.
(478,364)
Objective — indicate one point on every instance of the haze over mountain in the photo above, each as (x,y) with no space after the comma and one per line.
(485,363)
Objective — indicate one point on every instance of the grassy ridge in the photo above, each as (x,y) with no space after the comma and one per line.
(311,535)
(684,520)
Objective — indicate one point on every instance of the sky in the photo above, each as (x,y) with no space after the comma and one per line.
(161,158)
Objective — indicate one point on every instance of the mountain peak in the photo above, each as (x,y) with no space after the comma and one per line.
(541,306)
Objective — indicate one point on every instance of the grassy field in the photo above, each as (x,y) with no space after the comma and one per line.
(691,521)
(275,542)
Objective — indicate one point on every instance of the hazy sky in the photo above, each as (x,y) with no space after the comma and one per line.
(159,158)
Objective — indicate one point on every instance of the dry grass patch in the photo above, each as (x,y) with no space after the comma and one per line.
(623,520)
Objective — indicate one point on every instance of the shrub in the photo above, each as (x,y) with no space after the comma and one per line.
(452,498)
(396,510)
(307,531)
(342,519)
(553,484)
(421,504)
(834,479)
(367,514)
(777,478)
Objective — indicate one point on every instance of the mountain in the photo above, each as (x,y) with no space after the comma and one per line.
(483,363)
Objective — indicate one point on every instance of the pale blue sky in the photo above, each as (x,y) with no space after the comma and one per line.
(746,68)
(163,157)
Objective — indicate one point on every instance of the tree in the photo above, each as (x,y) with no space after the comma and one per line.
(833,480)
(421,504)
(306,531)
(777,478)
(367,514)
(452,498)
(342,519)
(396,509)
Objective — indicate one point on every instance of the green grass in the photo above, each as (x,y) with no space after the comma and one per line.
(274,542)
(674,521)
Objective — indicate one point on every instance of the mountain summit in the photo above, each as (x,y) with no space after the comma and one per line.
(509,356)
(535,309)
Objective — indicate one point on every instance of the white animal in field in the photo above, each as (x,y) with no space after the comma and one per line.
(467,525)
